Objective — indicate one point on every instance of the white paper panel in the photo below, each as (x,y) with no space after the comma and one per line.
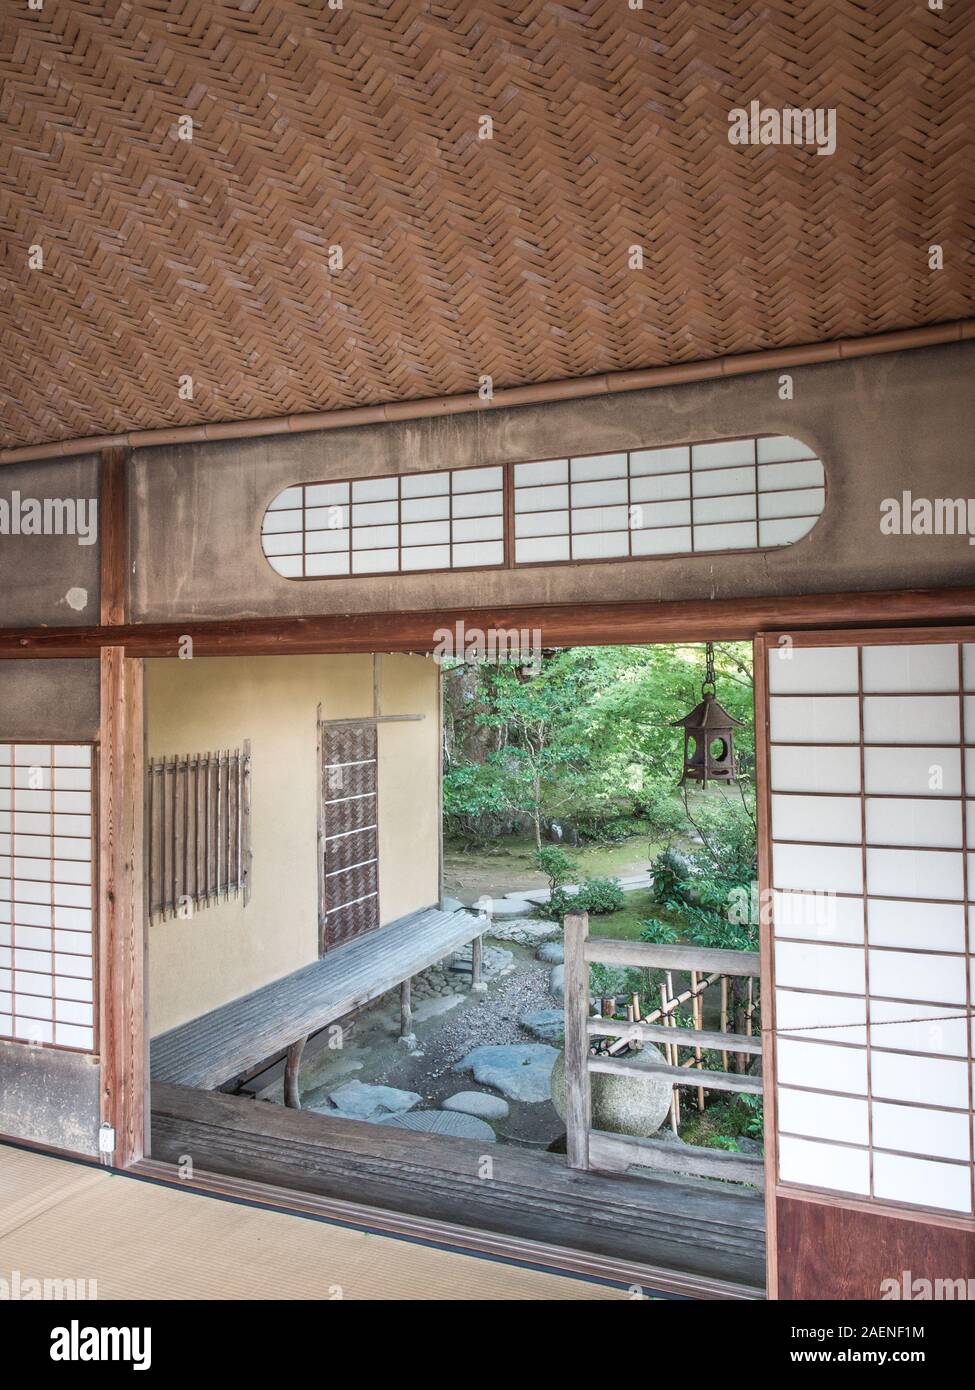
(771,533)
(913,771)
(818,917)
(827,819)
(813,671)
(822,1066)
(837,969)
(647,515)
(810,1163)
(600,546)
(823,1117)
(773,477)
(798,502)
(650,461)
(674,540)
(935,926)
(424,485)
(729,452)
(932,1032)
(915,873)
(814,719)
(733,536)
(660,488)
(929,1080)
(598,466)
(714,509)
(911,719)
(542,524)
(724,482)
(542,550)
(772,448)
(547,471)
(815,769)
(922,1182)
(924,667)
(912,975)
(325,564)
(840,1018)
(318,541)
(819,867)
(932,822)
(968,665)
(932,1133)
(427,557)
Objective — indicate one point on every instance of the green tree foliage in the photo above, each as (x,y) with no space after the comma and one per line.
(587,740)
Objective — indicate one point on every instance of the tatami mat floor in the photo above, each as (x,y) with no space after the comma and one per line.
(61,1220)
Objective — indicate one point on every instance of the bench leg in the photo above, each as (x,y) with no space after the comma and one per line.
(477,954)
(292,1095)
(407,1038)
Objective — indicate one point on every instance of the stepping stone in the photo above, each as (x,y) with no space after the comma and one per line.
(522,1071)
(547,1024)
(556,982)
(525,932)
(453,905)
(447,1122)
(537,896)
(477,1103)
(552,952)
(508,907)
(362,1102)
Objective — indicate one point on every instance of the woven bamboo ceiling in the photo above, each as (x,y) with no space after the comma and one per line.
(358,127)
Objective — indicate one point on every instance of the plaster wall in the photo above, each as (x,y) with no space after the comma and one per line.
(881,424)
(228,950)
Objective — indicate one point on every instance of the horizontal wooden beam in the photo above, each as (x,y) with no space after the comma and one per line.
(648,955)
(677,1037)
(615,1153)
(684,1076)
(553,625)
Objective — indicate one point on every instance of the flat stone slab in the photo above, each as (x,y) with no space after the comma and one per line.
(556,982)
(447,1122)
(547,1024)
(361,1102)
(525,931)
(479,1103)
(508,907)
(522,1071)
(552,952)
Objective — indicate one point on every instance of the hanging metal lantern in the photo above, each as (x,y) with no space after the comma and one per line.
(709,735)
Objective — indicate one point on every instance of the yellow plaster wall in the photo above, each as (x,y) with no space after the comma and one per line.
(205,704)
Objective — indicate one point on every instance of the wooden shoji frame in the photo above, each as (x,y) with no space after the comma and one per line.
(85,899)
(776,1191)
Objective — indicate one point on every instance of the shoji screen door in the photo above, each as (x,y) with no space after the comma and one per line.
(868,765)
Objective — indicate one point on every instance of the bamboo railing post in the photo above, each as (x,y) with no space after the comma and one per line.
(724,1016)
(698,1014)
(577,1091)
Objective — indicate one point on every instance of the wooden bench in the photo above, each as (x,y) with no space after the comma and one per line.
(225,1043)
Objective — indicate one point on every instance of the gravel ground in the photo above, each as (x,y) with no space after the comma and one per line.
(490,1018)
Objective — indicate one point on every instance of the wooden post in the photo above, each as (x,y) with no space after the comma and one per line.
(113,534)
(577,1092)
(477,961)
(405,1008)
(292,1093)
(121,908)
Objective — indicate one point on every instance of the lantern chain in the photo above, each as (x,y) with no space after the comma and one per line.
(709,679)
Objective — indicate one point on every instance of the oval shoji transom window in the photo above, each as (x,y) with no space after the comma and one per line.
(757,493)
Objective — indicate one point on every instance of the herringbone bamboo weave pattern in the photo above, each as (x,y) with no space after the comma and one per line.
(463,257)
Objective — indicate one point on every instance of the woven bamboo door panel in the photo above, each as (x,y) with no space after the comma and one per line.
(350,844)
